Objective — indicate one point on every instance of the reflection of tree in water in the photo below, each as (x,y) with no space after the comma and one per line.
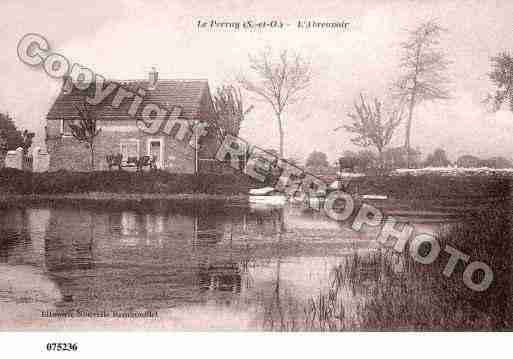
(281,308)
(221,271)
(14,235)
(70,247)
(218,270)
(224,277)
(70,251)
(268,221)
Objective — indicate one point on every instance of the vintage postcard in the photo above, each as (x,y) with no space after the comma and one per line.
(305,166)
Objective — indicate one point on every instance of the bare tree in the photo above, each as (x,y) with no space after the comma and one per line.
(423,65)
(86,130)
(372,125)
(502,78)
(229,106)
(277,81)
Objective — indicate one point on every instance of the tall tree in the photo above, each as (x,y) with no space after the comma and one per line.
(437,159)
(502,78)
(423,66)
(497,162)
(277,81)
(3,143)
(229,106)
(27,138)
(396,157)
(11,137)
(372,124)
(317,159)
(86,130)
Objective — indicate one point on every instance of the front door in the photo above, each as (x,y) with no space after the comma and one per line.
(156,150)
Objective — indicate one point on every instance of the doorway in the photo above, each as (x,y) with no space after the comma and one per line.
(155,148)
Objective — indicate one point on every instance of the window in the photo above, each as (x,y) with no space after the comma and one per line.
(65,130)
(129,148)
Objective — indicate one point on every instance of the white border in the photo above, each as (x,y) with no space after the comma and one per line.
(261,345)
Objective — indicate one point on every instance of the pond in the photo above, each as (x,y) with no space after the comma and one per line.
(209,265)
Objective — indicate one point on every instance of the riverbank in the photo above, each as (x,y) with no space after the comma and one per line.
(431,186)
(104,196)
(440,190)
(122,184)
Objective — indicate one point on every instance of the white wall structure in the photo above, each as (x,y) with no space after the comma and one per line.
(17,159)
(14,159)
(41,160)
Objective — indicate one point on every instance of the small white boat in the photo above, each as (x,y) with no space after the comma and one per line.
(267,195)
(336,185)
(374,196)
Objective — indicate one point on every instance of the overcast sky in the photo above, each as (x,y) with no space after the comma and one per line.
(124,38)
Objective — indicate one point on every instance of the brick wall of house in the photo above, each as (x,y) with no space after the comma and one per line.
(69,154)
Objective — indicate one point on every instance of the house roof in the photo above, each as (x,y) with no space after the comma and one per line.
(168,93)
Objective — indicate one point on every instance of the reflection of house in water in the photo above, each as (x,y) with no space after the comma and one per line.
(102,258)
(133,224)
(222,276)
(129,225)
(15,245)
(139,257)
(215,272)
(22,236)
(264,221)
(207,231)
(133,227)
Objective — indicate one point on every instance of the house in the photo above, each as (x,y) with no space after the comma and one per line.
(119,133)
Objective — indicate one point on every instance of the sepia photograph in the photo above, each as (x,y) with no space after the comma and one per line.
(255,167)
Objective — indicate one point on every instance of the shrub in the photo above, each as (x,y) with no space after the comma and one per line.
(60,182)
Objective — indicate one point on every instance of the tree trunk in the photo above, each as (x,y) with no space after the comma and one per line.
(91,147)
(280,127)
(408,129)
(381,165)
(412,104)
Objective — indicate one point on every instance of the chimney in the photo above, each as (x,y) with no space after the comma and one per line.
(153,77)
(67,84)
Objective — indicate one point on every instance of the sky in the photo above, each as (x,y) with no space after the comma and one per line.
(123,39)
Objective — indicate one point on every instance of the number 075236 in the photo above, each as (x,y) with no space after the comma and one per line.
(62,347)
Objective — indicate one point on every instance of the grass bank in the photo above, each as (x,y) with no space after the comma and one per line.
(414,192)
(103,184)
(432,186)
(385,290)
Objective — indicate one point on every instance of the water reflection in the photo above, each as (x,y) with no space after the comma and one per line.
(285,268)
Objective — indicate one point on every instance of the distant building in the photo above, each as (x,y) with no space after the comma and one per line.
(119,133)
(468,161)
(396,157)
